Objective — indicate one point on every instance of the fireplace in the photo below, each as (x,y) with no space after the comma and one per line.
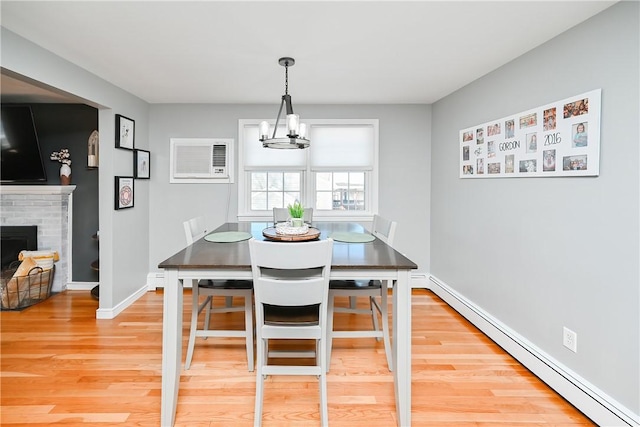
(15,238)
(50,208)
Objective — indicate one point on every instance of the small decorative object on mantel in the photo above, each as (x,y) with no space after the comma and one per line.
(92,149)
(63,157)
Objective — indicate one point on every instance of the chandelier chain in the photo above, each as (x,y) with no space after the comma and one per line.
(286,79)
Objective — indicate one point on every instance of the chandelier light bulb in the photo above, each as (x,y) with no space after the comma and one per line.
(292,125)
(302,130)
(263,130)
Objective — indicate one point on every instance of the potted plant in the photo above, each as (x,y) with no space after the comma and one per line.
(296,212)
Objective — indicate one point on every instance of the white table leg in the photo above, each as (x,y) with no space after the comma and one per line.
(171,346)
(402,347)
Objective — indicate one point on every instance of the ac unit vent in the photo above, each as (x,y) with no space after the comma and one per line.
(219,157)
(200,160)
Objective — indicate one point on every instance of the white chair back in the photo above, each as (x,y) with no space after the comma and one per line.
(308,215)
(384,229)
(276,282)
(195,229)
(280,214)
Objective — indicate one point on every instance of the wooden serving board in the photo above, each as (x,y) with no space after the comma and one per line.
(270,233)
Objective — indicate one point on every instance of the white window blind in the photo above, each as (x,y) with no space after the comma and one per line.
(335,147)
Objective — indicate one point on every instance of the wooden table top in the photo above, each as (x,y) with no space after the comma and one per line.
(210,255)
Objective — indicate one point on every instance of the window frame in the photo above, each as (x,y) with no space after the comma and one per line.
(308,176)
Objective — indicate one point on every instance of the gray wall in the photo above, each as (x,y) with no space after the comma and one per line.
(542,253)
(124,235)
(69,126)
(404,169)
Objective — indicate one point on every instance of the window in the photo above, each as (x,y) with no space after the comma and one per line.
(340,191)
(337,175)
(274,189)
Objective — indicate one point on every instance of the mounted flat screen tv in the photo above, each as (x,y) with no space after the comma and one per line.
(20,159)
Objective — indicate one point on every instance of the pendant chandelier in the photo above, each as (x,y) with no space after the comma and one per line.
(296,136)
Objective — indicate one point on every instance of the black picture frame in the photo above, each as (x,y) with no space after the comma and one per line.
(141,164)
(125,132)
(124,192)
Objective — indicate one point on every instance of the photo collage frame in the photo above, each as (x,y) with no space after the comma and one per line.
(557,139)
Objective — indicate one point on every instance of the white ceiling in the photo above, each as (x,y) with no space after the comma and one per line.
(346,52)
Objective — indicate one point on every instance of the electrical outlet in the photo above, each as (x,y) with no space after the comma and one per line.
(570,339)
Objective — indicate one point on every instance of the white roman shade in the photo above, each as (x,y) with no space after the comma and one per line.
(348,147)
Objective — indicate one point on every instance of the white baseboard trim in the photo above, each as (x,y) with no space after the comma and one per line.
(589,399)
(81,286)
(419,281)
(156,280)
(102,313)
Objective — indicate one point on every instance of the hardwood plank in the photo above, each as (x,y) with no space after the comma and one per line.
(59,365)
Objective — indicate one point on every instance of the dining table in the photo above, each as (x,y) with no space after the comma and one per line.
(228,258)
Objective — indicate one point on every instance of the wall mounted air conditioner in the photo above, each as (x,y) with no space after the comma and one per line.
(201,160)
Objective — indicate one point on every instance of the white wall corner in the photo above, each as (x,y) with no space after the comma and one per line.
(589,399)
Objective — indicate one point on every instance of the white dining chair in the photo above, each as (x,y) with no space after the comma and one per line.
(384,230)
(282,214)
(196,229)
(291,286)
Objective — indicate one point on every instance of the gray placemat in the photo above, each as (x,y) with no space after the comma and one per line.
(352,237)
(227,236)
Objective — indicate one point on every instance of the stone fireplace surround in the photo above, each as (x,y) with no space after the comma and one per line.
(50,208)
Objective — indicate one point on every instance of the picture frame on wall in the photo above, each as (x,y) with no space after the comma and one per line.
(125,132)
(561,138)
(141,164)
(124,192)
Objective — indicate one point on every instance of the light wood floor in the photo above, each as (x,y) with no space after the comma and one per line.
(59,365)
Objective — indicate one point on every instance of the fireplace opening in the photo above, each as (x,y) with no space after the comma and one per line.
(16,238)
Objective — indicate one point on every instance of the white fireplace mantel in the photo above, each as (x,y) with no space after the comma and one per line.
(52,212)
(37,189)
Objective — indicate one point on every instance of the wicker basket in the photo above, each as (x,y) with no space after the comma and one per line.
(25,291)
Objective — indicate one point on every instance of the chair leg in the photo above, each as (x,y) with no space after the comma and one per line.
(374,316)
(228,301)
(207,306)
(194,325)
(353,302)
(262,357)
(329,338)
(384,312)
(248,327)
(324,412)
